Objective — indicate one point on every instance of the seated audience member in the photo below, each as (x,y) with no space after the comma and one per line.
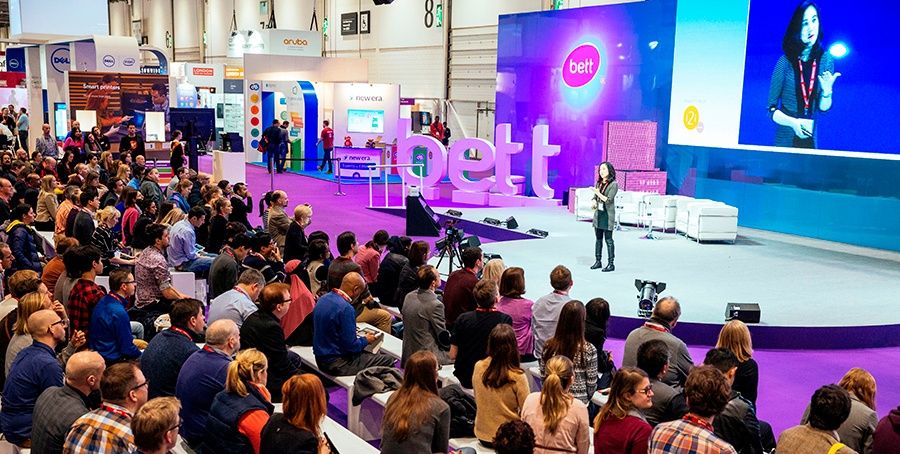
(296,244)
(512,287)
(181,173)
(828,409)
(737,424)
(47,204)
(20,284)
(217,236)
(238,303)
(493,270)
(458,292)
(34,370)
(149,215)
(83,228)
(419,253)
(262,331)
(71,195)
(668,404)
(168,350)
(183,250)
(85,294)
(707,393)
(886,438)
(363,305)
(6,261)
(156,426)
(390,268)
(55,267)
(264,258)
(239,413)
(67,280)
(239,208)
(154,290)
(735,336)
(337,348)
(662,322)
(416,419)
(107,429)
(620,427)
(23,240)
(297,429)
(180,194)
(203,376)
(224,270)
(22,339)
(278,221)
(595,325)
(423,315)
(499,383)
(514,437)
(107,242)
(559,421)
(369,256)
(471,333)
(569,341)
(856,432)
(545,311)
(110,326)
(150,186)
(60,406)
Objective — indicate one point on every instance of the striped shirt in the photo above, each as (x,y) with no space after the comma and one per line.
(105,430)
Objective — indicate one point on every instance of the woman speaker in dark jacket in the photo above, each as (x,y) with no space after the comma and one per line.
(605,214)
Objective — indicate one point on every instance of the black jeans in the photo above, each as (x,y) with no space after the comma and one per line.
(604,235)
(326,159)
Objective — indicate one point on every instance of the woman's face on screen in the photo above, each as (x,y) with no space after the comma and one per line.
(809,28)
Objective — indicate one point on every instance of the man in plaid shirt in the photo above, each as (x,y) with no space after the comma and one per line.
(123,389)
(85,293)
(707,392)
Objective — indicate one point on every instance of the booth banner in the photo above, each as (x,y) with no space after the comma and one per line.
(275,42)
(118,54)
(234,72)
(357,163)
(210,75)
(118,99)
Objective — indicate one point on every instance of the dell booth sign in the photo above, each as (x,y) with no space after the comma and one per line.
(59,60)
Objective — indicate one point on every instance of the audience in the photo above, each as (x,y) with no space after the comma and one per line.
(499,384)
(493,270)
(857,430)
(217,235)
(47,205)
(369,256)
(183,251)
(111,329)
(151,274)
(297,430)
(22,339)
(238,303)
(620,427)
(512,287)
(180,193)
(150,186)
(59,407)
(423,319)
(419,253)
(546,309)
(278,222)
(828,410)
(123,389)
(296,244)
(514,437)
(662,322)
(239,208)
(264,257)
(224,269)
(85,294)
(83,227)
(707,393)
(737,424)
(886,438)
(390,268)
(156,426)
(105,240)
(239,412)
(168,350)
(668,403)
(596,323)
(569,341)
(23,240)
(458,292)
(559,421)
(363,304)
(262,331)
(203,376)
(735,336)
(472,330)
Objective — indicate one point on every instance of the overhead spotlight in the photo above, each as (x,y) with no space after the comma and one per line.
(511,223)
(537,232)
(648,296)
(454,213)
(491,221)
(469,241)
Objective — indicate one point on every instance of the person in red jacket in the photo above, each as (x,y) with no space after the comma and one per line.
(437,129)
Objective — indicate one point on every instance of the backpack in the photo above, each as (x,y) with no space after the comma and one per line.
(462,411)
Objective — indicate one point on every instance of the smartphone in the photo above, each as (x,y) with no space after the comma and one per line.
(330,444)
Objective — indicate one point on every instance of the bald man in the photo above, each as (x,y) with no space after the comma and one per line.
(59,407)
(279,221)
(662,321)
(33,371)
(337,348)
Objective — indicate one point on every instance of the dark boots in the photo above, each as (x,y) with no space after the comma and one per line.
(598,253)
(612,255)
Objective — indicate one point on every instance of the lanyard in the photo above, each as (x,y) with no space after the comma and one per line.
(343,294)
(116,411)
(655,327)
(181,331)
(560,292)
(124,301)
(812,85)
(693,419)
(481,309)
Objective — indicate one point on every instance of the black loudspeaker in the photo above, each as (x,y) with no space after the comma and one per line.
(420,218)
(745,312)
(491,221)
(511,223)
(538,232)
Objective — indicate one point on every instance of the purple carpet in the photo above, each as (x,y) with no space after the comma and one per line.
(787,378)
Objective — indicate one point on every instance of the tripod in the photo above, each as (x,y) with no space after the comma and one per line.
(450,250)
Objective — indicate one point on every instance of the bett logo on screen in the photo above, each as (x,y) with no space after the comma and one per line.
(582,64)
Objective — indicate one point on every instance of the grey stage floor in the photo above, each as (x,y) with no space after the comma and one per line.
(797,281)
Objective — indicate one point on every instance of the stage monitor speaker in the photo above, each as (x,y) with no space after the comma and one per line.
(420,218)
(491,221)
(540,233)
(469,241)
(511,223)
(745,312)
(454,213)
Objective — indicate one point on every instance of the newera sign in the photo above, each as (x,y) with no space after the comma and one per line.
(496,157)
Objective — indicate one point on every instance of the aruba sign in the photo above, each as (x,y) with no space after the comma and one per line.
(496,156)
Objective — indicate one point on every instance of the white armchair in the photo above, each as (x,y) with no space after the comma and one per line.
(628,207)
(683,208)
(713,223)
(584,200)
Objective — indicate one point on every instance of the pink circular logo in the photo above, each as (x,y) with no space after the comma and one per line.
(582,64)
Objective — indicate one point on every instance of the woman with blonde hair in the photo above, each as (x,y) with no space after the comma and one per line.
(47,203)
(239,413)
(21,339)
(560,421)
(499,383)
(493,269)
(106,240)
(856,432)
(298,430)
(620,427)
(735,336)
(175,215)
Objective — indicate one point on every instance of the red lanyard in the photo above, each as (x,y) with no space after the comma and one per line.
(179,330)
(812,85)
(209,349)
(559,292)
(116,411)
(481,309)
(655,327)
(693,419)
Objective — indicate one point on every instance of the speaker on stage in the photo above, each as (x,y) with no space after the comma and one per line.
(420,218)
(745,312)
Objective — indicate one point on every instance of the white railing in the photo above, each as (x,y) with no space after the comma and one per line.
(383,169)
